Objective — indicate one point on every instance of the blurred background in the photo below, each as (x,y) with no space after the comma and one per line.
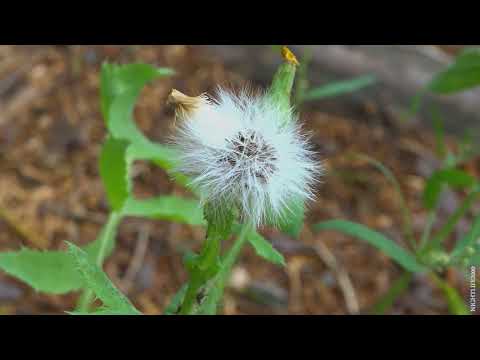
(51,133)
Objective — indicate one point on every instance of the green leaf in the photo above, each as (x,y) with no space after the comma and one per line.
(398,288)
(172,208)
(51,272)
(161,155)
(339,88)
(401,256)
(453,177)
(462,75)
(45,271)
(97,281)
(114,172)
(117,79)
(456,303)
(265,249)
(120,88)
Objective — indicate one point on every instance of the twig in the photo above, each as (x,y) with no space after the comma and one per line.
(344,281)
(137,259)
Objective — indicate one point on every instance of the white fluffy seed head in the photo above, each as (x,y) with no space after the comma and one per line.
(244,151)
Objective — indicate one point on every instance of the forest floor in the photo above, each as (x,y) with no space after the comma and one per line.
(51,133)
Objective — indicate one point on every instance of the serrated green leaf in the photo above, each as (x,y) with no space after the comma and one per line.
(45,271)
(462,75)
(264,249)
(97,281)
(339,88)
(172,208)
(401,256)
(453,177)
(51,272)
(114,171)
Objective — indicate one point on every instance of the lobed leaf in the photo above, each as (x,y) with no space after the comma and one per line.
(120,88)
(51,272)
(97,281)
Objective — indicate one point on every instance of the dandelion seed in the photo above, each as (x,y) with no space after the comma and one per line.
(244,151)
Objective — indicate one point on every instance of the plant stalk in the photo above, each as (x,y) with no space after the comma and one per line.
(107,235)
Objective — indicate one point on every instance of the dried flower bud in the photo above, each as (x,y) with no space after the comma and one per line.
(185,105)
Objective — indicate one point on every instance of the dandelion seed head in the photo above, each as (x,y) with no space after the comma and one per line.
(243,150)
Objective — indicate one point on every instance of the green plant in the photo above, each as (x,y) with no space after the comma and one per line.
(80,269)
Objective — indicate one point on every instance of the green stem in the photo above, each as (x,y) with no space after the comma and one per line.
(203,271)
(189,300)
(216,293)
(232,255)
(107,236)
(217,285)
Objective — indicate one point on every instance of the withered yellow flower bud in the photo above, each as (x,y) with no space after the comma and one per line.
(185,105)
